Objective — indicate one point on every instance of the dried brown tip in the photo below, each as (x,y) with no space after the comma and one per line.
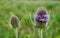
(41,11)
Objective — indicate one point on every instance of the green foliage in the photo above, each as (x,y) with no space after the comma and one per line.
(22,10)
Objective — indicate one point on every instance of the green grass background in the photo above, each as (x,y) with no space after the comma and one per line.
(22,10)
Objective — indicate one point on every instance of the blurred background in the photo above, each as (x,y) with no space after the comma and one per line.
(23,9)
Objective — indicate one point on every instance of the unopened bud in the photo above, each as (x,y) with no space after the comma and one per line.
(14,21)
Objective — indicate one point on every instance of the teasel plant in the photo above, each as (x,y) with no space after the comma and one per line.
(41,19)
(14,23)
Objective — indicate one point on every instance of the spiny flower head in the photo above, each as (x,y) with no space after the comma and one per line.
(41,17)
(14,21)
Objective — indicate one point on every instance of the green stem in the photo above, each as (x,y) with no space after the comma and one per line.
(40,33)
(16,33)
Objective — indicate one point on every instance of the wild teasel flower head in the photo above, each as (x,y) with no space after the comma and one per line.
(41,17)
(14,21)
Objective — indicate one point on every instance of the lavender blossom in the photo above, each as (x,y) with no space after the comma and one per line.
(44,18)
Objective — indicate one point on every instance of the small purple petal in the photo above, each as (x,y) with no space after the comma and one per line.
(37,17)
(47,17)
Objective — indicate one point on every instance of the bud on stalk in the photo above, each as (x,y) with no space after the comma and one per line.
(14,23)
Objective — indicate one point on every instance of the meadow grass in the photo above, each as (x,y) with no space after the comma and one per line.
(23,9)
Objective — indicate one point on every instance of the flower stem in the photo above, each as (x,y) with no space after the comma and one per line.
(40,33)
(16,33)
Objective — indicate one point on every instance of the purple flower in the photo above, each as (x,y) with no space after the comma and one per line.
(41,17)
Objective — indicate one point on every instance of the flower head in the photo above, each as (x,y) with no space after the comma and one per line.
(14,21)
(41,17)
